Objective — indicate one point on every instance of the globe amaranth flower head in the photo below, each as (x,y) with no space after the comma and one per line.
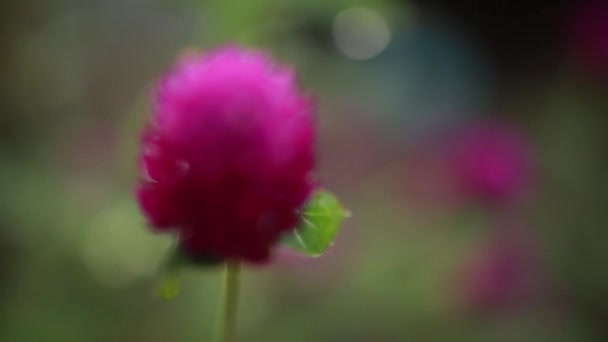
(492,161)
(228,155)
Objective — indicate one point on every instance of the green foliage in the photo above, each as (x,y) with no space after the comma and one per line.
(170,281)
(169,285)
(320,222)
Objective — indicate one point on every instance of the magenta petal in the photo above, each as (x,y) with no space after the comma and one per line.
(228,154)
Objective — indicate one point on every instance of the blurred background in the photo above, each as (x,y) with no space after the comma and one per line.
(468,138)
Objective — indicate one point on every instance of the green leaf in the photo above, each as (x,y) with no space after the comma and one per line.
(176,260)
(168,287)
(320,222)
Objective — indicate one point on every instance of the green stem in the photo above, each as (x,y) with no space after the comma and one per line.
(230,302)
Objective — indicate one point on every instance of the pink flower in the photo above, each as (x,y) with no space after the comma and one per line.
(502,274)
(486,162)
(491,162)
(589,36)
(228,156)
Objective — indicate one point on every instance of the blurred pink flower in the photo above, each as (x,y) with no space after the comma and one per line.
(228,156)
(588,36)
(491,161)
(504,273)
(488,163)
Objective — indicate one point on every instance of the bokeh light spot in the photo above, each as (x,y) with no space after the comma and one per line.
(360,33)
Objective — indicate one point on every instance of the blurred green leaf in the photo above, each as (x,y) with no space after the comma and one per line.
(320,222)
(177,260)
(169,286)
(169,283)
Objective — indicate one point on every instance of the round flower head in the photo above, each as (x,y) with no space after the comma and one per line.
(228,156)
(491,161)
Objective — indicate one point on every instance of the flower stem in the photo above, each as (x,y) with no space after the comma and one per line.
(230,299)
